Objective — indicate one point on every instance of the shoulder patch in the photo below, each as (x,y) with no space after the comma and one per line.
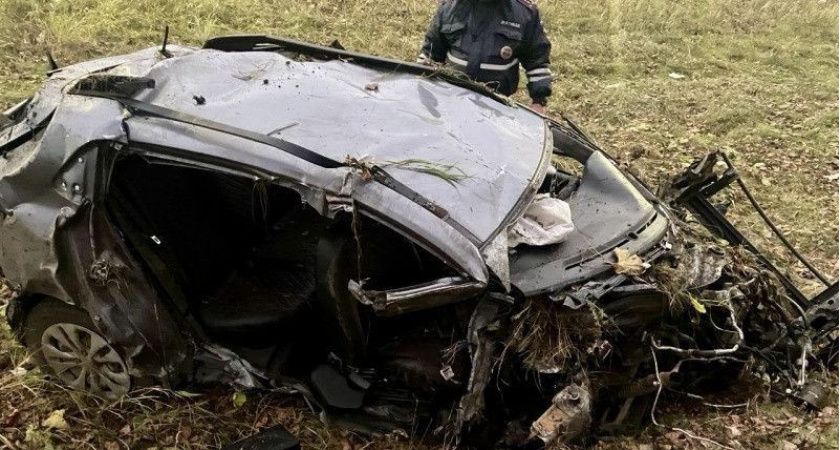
(528,3)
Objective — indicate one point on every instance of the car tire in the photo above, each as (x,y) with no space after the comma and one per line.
(67,345)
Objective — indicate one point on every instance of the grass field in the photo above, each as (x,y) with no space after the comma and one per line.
(761,82)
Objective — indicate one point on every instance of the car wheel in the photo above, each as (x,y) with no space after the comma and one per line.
(67,345)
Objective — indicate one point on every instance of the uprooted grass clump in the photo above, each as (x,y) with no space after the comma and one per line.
(548,336)
(696,246)
(674,280)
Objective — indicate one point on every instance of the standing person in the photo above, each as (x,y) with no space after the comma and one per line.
(488,40)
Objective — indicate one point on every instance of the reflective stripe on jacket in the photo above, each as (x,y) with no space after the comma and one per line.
(489,40)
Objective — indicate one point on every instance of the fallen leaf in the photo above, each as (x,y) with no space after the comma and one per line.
(55,420)
(239,399)
(701,308)
(627,264)
(733,431)
(787,445)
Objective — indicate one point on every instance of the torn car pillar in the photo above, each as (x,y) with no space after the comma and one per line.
(483,324)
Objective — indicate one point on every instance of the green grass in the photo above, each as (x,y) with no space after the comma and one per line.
(761,83)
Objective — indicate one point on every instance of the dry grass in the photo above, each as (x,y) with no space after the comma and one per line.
(761,83)
(547,336)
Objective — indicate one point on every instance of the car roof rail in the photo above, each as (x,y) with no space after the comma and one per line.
(259,42)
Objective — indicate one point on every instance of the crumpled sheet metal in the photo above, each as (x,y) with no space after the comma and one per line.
(47,99)
(223,366)
(42,184)
(497,258)
(500,178)
(481,336)
(320,187)
(704,266)
(44,189)
(326,107)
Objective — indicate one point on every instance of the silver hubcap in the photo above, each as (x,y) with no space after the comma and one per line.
(83,360)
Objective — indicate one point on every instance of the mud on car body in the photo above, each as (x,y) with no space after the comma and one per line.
(265,212)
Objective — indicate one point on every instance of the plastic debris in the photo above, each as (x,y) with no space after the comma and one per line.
(546,221)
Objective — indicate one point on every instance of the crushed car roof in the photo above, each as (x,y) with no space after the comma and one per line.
(337,109)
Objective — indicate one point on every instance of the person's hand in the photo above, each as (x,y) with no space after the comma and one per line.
(538,108)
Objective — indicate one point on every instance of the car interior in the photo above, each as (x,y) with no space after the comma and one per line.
(253,263)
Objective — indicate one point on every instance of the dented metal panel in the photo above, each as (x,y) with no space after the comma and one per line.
(42,186)
(329,108)
(501,150)
(316,184)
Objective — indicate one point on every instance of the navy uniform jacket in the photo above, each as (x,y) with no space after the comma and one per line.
(488,40)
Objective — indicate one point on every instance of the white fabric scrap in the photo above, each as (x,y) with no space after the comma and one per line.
(546,221)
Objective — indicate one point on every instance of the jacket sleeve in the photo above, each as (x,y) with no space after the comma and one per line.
(535,59)
(435,45)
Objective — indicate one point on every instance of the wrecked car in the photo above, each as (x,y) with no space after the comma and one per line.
(262,212)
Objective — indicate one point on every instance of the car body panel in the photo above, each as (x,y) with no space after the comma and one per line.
(503,159)
(338,109)
(55,239)
(43,183)
(320,187)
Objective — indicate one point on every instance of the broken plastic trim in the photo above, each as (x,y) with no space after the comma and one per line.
(111,85)
(16,109)
(435,293)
